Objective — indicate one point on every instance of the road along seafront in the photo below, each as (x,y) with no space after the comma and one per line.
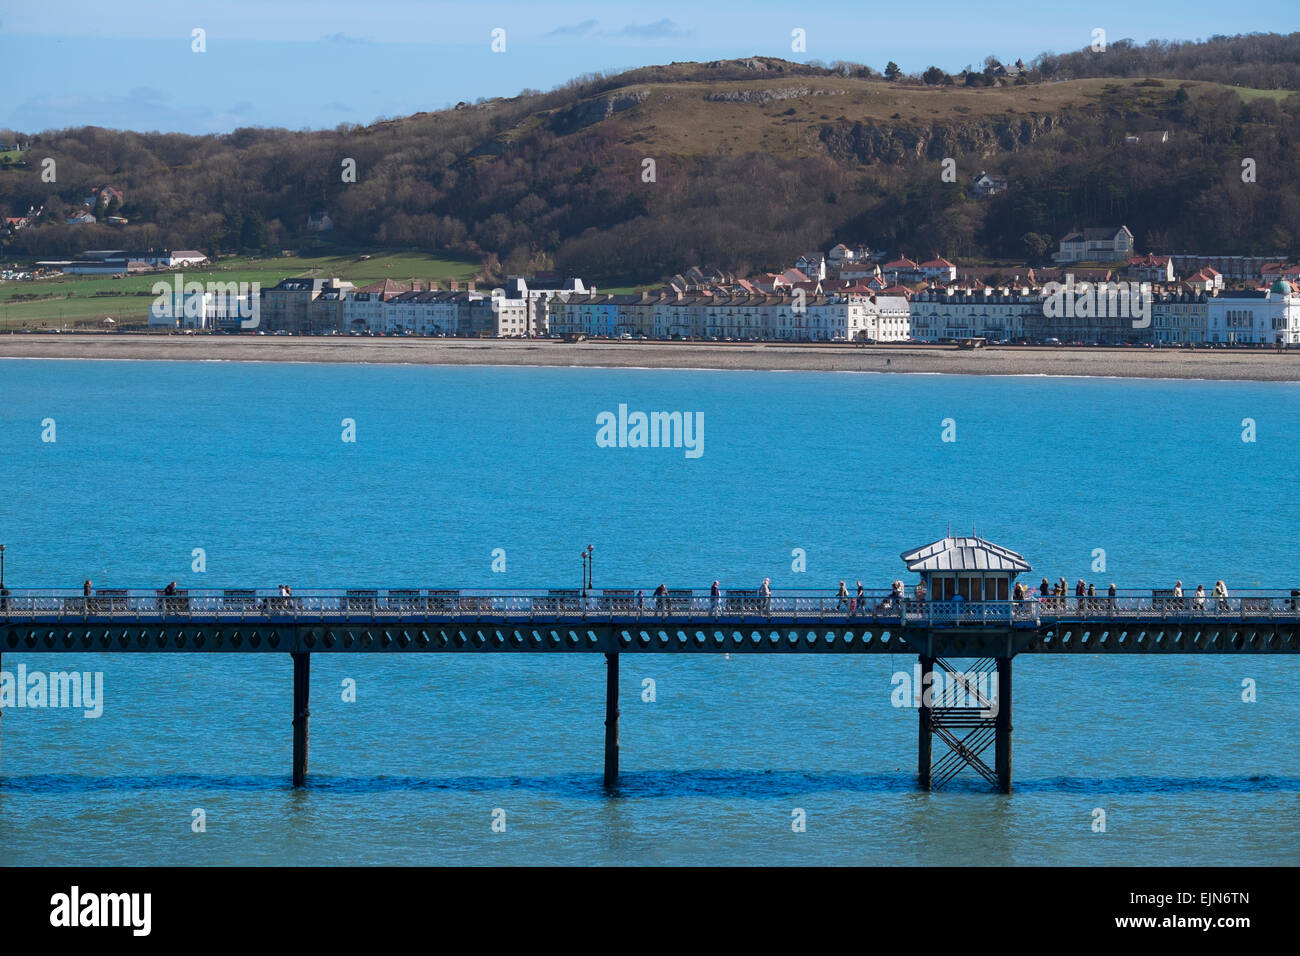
(1222,364)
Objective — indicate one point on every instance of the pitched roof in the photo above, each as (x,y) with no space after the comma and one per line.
(386,288)
(1105,232)
(902,290)
(964,554)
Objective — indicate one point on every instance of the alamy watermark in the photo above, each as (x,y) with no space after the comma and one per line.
(75,908)
(203,304)
(651,430)
(1098,300)
(940,688)
(72,689)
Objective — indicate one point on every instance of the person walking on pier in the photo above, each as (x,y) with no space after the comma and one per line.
(1111,596)
(843,598)
(1042,588)
(661,599)
(715,598)
(765,595)
(87,589)
(919,591)
(169,603)
(1221,595)
(1178,589)
(859,602)
(1198,601)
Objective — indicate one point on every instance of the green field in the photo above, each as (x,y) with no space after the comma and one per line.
(1249,93)
(72,301)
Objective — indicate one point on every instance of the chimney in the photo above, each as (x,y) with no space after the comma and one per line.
(453,285)
(433,285)
(469,286)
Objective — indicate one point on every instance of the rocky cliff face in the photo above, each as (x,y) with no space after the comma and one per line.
(582,115)
(767,96)
(878,143)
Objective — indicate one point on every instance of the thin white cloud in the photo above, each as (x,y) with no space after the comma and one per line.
(664,29)
(575,30)
(346,38)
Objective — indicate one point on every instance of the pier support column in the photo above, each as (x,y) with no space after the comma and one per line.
(611,719)
(925,729)
(1002,726)
(301,690)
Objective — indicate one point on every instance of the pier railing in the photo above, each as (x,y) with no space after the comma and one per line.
(625,605)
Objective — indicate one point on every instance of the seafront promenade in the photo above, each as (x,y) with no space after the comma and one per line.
(1254,364)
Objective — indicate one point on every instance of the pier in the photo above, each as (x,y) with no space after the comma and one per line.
(989,630)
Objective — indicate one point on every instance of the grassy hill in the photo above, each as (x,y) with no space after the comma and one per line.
(754,161)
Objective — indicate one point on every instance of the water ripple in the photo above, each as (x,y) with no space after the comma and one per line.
(754,785)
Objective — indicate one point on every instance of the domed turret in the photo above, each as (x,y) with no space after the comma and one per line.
(1281,287)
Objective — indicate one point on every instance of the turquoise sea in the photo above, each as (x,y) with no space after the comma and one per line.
(246,461)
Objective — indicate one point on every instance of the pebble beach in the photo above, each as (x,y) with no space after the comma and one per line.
(1221,364)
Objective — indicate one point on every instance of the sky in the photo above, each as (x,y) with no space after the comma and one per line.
(314,65)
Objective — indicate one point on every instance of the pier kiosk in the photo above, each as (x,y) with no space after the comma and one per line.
(976,569)
(966,710)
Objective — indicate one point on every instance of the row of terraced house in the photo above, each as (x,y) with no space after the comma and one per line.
(521,308)
(794,316)
(1262,316)
(1188,313)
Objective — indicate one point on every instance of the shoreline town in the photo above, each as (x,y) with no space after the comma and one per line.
(849,295)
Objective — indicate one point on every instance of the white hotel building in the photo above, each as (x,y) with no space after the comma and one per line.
(438,312)
(982,313)
(1256,317)
(199,310)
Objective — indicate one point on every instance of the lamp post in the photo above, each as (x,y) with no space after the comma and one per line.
(586,568)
